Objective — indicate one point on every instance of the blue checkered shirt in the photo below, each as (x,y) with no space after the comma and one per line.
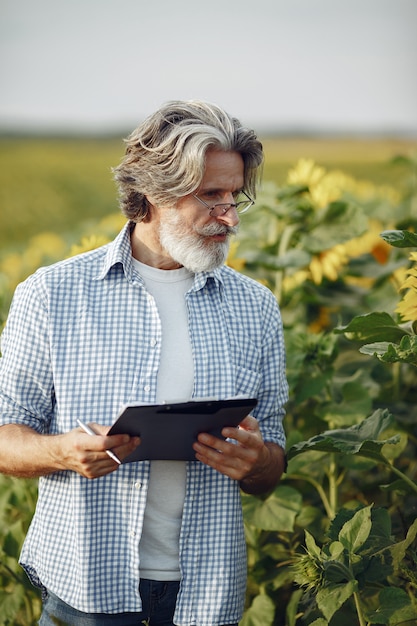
(83,338)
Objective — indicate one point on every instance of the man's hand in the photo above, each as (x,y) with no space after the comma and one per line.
(88,455)
(25,453)
(258,465)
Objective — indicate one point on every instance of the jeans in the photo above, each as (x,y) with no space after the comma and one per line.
(158,606)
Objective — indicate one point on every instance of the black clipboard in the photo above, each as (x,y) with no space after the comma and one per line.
(169,430)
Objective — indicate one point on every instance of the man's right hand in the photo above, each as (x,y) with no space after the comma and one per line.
(91,459)
(25,453)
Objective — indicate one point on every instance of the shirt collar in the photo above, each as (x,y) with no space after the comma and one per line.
(202,278)
(120,251)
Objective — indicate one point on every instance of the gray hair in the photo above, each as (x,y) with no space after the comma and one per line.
(165,155)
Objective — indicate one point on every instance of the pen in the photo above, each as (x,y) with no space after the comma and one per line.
(87,429)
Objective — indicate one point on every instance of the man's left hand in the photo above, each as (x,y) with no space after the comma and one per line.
(258,465)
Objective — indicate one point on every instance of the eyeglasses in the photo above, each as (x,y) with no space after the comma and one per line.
(242,203)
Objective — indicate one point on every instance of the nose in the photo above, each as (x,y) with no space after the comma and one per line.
(231,218)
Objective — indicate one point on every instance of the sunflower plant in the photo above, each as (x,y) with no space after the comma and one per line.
(391,340)
(349,574)
(315,241)
(350,418)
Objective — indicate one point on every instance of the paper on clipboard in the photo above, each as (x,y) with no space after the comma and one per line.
(168,430)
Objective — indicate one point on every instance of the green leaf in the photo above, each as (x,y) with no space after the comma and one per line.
(290,191)
(405,352)
(356,531)
(11,603)
(312,386)
(361,438)
(11,547)
(336,572)
(394,607)
(372,327)
(312,548)
(340,222)
(377,348)
(331,598)
(336,549)
(380,530)
(399,550)
(277,512)
(292,259)
(399,486)
(350,408)
(260,613)
(291,610)
(400,238)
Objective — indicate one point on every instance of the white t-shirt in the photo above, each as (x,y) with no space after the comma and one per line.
(159,545)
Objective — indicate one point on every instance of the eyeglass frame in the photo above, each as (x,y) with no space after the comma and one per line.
(229,205)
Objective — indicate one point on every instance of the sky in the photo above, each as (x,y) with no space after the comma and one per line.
(278,65)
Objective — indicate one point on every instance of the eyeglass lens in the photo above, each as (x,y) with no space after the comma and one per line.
(242,202)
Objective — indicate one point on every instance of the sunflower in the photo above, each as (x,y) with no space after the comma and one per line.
(329,263)
(407,307)
(328,186)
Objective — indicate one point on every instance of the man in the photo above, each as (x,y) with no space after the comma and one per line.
(153,316)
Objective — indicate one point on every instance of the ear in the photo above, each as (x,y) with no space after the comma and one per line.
(151,201)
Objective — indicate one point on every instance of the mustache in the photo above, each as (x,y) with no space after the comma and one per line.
(209,230)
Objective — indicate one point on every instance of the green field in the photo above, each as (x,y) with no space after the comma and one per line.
(367,159)
(65,185)
(54,185)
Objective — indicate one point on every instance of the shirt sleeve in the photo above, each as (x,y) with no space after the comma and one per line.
(273,394)
(26,381)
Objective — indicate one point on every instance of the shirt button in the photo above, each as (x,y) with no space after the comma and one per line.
(138,485)
(132,533)
(147,388)
(153,343)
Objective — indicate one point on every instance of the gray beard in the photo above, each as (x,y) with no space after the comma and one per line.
(191,249)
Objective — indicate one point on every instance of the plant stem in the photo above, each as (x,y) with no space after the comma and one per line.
(319,489)
(396,378)
(282,248)
(362,620)
(405,478)
(333,495)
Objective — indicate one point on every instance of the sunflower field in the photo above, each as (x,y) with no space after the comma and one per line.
(336,542)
